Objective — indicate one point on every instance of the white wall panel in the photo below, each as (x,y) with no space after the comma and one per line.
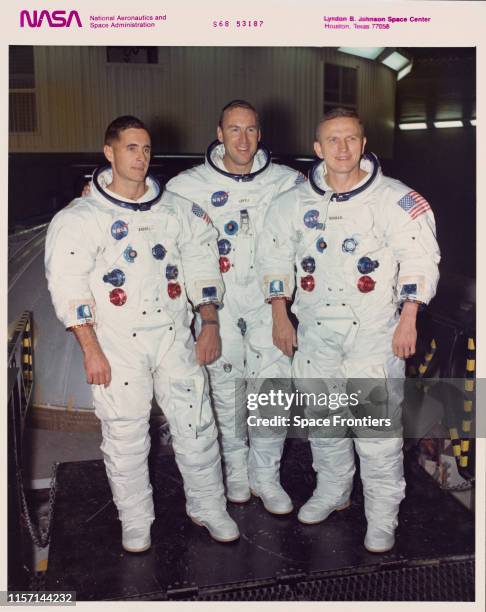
(78,93)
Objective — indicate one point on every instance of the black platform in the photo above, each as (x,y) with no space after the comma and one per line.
(276,557)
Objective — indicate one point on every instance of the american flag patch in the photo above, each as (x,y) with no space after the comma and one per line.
(199,212)
(414,204)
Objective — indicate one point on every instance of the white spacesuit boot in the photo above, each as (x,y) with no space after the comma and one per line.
(264,469)
(333,460)
(136,539)
(383,487)
(199,463)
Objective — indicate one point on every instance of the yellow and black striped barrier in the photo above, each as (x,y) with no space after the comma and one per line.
(21,363)
(468,404)
(27,363)
(455,441)
(424,366)
(460,426)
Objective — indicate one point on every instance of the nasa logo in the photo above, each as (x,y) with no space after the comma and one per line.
(55,19)
(219,198)
(311,220)
(119,229)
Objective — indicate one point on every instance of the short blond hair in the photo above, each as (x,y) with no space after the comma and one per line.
(338,113)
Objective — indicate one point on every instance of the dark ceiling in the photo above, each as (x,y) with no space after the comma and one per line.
(441,85)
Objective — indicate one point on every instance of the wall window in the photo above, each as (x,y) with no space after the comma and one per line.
(22,110)
(340,87)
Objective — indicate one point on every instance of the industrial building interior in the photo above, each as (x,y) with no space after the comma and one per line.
(418,108)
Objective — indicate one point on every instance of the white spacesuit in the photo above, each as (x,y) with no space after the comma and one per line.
(129,268)
(358,255)
(236,204)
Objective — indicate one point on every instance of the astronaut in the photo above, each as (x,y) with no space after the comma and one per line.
(235,186)
(122,265)
(363,245)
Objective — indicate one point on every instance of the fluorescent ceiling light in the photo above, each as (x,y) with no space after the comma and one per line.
(448,124)
(366,52)
(473,122)
(395,60)
(413,126)
(304,159)
(404,71)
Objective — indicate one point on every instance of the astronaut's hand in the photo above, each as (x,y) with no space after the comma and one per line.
(208,345)
(97,367)
(284,335)
(86,191)
(405,338)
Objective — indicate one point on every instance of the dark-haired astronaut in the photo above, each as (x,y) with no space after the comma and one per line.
(363,246)
(122,264)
